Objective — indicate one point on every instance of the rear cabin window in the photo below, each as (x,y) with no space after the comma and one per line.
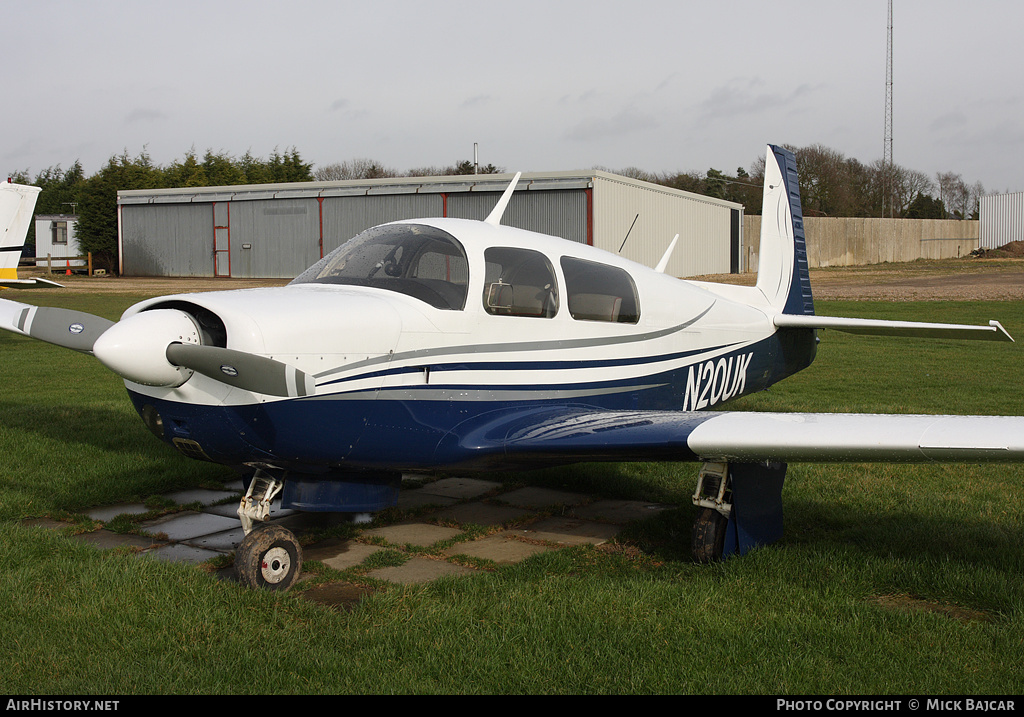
(519,282)
(598,292)
(420,261)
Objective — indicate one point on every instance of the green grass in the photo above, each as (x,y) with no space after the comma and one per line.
(889,580)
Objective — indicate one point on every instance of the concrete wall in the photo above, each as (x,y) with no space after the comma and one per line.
(837,241)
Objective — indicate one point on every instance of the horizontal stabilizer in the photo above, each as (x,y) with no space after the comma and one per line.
(876,327)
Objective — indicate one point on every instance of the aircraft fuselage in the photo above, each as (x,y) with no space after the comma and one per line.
(466,321)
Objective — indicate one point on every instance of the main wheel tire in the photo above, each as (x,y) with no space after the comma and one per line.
(708,542)
(269,557)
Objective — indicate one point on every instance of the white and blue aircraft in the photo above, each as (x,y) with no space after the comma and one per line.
(16,204)
(456,345)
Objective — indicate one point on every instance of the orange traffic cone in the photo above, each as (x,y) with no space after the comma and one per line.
(68,272)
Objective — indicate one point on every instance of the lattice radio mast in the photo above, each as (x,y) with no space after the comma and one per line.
(887,165)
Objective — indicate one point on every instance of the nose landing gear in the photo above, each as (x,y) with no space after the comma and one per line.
(269,557)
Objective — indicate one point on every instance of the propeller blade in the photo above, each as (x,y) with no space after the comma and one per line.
(64,327)
(243,370)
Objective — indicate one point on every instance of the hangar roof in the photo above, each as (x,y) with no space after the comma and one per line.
(530,181)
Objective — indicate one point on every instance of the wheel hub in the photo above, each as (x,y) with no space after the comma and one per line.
(275,565)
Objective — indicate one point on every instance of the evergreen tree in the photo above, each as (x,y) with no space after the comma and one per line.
(97,213)
(925,206)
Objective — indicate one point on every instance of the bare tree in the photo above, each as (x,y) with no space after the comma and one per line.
(952,191)
(353,169)
(906,185)
(977,191)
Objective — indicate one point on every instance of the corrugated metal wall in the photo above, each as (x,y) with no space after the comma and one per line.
(704,226)
(561,213)
(344,217)
(276,231)
(167,239)
(1002,219)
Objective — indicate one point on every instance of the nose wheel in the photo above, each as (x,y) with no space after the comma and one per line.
(269,557)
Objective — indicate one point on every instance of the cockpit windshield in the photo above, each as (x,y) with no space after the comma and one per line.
(420,261)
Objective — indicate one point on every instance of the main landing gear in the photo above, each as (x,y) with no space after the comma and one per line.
(740,508)
(269,556)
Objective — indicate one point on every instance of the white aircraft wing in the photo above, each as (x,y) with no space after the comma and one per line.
(576,433)
(37,283)
(853,437)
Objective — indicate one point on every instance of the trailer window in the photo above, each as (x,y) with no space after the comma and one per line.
(598,292)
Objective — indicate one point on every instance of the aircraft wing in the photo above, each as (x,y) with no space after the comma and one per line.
(29,284)
(585,434)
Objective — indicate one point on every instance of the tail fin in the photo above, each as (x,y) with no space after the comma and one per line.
(16,204)
(782,273)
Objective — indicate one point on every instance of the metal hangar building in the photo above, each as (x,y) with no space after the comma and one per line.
(276,231)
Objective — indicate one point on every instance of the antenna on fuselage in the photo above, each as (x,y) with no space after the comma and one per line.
(663,264)
(627,233)
(494,218)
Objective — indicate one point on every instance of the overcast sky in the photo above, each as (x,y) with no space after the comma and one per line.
(553,85)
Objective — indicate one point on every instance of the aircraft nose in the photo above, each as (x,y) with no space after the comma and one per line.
(136,347)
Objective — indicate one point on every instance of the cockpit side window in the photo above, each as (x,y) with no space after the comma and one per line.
(598,292)
(519,282)
(419,261)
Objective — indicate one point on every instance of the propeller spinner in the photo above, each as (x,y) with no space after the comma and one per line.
(160,347)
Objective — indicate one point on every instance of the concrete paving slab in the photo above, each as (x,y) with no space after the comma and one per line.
(408,499)
(460,488)
(198,536)
(340,554)
(106,540)
(188,524)
(420,534)
(568,531)
(202,496)
(482,514)
(223,542)
(180,553)
(541,498)
(503,548)
(619,511)
(110,512)
(230,510)
(419,570)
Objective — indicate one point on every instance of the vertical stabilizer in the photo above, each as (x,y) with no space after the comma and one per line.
(17,201)
(782,272)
